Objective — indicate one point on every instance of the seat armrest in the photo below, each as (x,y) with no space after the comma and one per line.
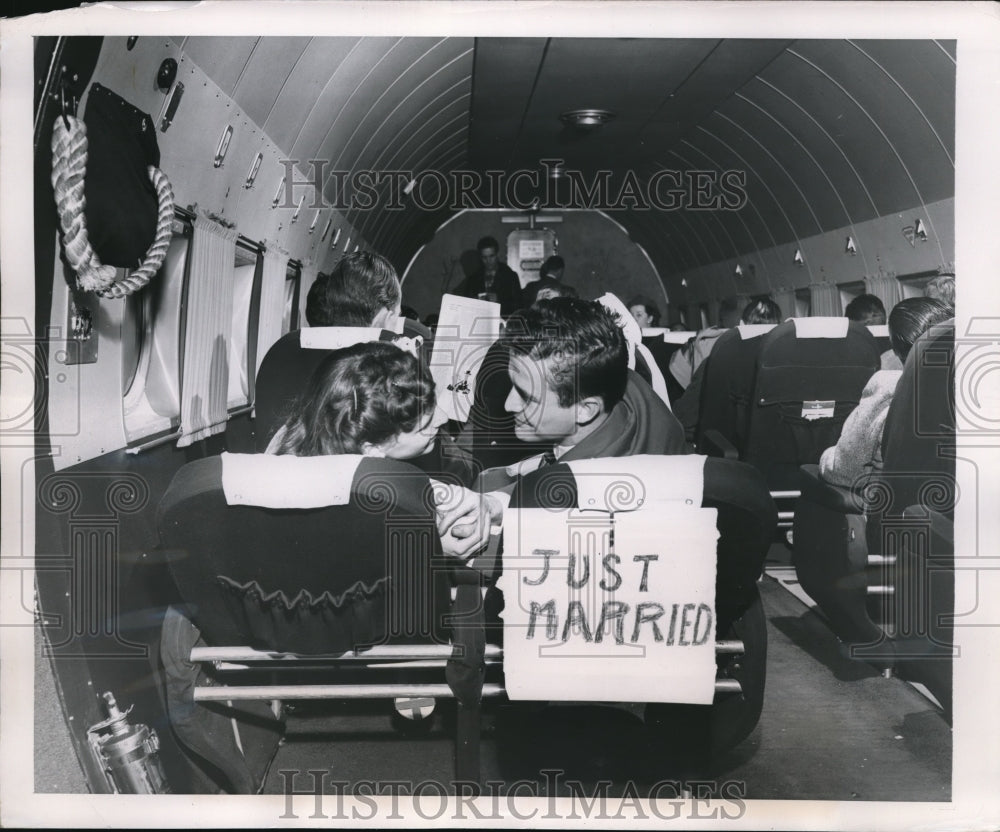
(715,444)
(834,497)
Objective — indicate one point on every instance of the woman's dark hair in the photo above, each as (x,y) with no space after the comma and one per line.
(761,311)
(649,305)
(911,318)
(368,393)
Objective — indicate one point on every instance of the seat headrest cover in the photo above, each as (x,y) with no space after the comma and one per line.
(633,482)
(337,337)
(879,330)
(288,481)
(748,331)
(821,327)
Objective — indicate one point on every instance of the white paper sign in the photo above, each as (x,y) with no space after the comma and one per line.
(466,329)
(531,249)
(610,609)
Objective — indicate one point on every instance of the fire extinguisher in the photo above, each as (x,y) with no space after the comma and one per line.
(126,753)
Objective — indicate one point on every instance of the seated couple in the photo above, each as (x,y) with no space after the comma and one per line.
(572,395)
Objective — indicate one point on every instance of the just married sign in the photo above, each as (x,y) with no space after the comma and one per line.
(610,606)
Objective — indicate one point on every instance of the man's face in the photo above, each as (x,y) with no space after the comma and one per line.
(538,416)
(489,257)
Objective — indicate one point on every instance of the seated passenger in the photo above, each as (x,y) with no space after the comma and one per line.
(573,397)
(373,399)
(869,310)
(942,288)
(644,310)
(859,449)
(688,407)
(686,361)
(494,280)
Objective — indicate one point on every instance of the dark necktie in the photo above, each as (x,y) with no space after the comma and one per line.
(548,458)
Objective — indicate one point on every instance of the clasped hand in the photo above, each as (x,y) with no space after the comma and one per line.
(464,519)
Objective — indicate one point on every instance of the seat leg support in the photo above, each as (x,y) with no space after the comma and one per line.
(467,767)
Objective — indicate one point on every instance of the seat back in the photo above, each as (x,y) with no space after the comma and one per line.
(918,440)
(910,505)
(746,519)
(806,383)
(282,376)
(318,580)
(727,388)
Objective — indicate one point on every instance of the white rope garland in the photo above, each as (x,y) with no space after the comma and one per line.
(69,167)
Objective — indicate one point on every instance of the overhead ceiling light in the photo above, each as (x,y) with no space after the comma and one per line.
(587,119)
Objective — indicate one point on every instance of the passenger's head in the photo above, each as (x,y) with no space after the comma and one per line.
(762,311)
(373,398)
(362,290)
(942,288)
(553,267)
(568,368)
(911,318)
(729,312)
(644,310)
(489,250)
(545,289)
(866,309)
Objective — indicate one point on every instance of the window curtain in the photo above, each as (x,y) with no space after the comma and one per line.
(824,300)
(785,298)
(272,300)
(310,271)
(208,328)
(886,288)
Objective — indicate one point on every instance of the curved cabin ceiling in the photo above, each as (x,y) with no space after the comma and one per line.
(828,133)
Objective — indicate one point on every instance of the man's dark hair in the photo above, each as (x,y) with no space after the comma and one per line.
(487,242)
(582,344)
(358,288)
(911,318)
(762,311)
(729,312)
(553,264)
(866,309)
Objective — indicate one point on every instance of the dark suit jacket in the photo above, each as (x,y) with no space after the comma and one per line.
(506,286)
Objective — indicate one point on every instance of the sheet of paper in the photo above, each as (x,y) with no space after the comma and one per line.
(613,610)
(466,329)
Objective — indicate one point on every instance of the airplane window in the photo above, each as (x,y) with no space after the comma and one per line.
(803,303)
(290,318)
(151,339)
(245,277)
(133,326)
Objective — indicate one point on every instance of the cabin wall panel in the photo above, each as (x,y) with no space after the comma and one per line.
(882,249)
(599,255)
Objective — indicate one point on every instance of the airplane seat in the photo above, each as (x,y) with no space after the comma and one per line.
(809,377)
(282,376)
(830,555)
(878,558)
(726,390)
(911,510)
(746,519)
(364,572)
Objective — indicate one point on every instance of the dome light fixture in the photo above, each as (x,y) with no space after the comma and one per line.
(587,119)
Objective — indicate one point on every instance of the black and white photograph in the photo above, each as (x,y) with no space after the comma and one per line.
(535,414)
